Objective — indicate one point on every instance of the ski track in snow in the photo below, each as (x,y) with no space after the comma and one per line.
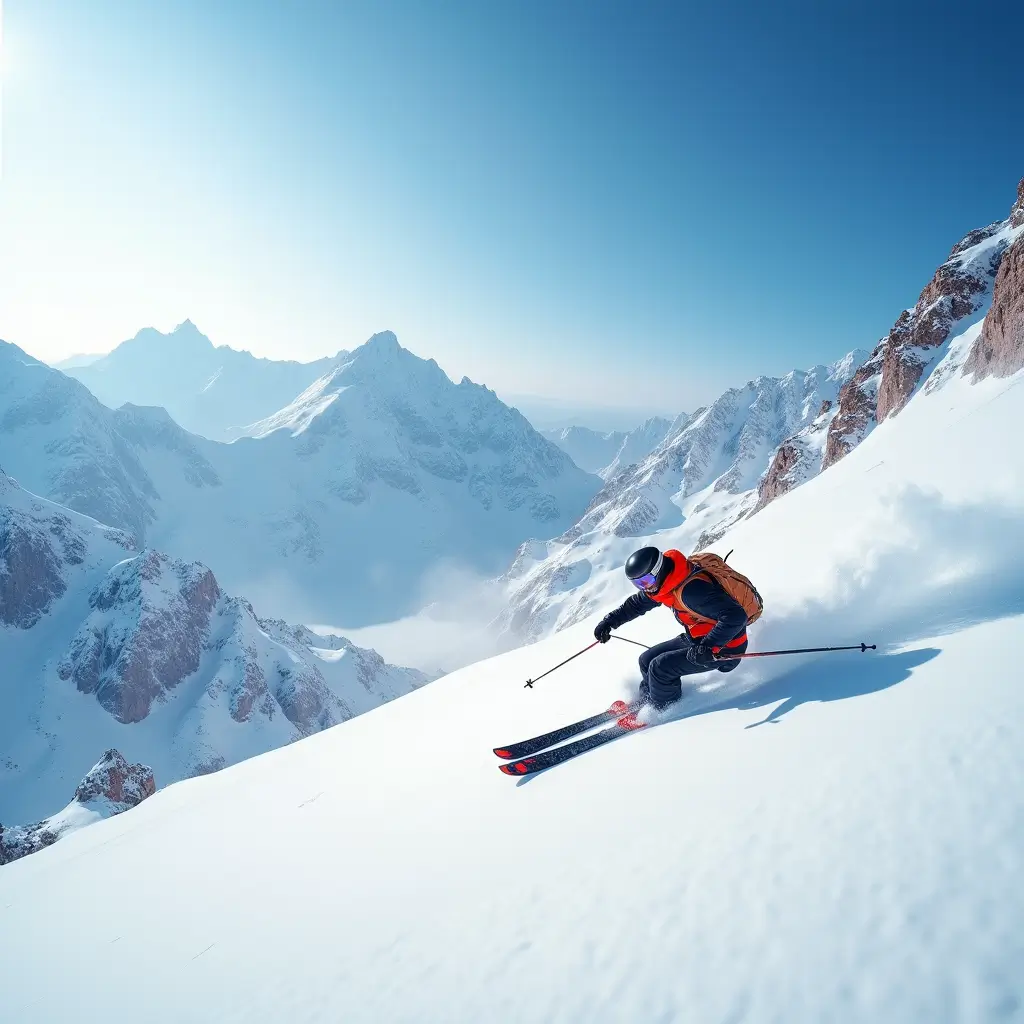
(834,838)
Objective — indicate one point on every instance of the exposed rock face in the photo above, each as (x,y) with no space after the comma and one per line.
(1017,213)
(149,626)
(999,350)
(778,478)
(960,289)
(855,414)
(111,787)
(114,780)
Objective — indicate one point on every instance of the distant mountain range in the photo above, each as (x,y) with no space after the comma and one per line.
(212,391)
(339,505)
(606,453)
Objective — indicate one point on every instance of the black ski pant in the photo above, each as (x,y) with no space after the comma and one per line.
(662,665)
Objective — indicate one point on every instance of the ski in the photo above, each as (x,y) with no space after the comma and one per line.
(548,739)
(556,755)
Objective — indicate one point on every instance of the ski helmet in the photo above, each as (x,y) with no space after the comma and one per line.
(647,568)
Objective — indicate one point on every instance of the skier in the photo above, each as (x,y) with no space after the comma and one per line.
(712,601)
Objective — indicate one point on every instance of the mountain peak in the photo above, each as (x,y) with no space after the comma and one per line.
(383,341)
(185,334)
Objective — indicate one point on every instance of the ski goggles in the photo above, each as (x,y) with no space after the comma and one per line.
(648,581)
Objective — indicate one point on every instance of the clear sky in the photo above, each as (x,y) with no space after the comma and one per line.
(632,202)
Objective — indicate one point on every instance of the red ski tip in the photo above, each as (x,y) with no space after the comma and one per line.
(620,707)
(502,753)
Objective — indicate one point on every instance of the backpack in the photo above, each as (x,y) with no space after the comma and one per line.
(734,583)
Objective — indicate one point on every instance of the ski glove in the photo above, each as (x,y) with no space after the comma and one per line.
(603,632)
(701,655)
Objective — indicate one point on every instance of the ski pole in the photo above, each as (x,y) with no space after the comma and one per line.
(767,654)
(615,636)
(802,650)
(530,682)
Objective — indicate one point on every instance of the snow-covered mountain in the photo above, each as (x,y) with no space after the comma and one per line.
(605,454)
(830,838)
(106,647)
(705,471)
(211,391)
(339,508)
(754,444)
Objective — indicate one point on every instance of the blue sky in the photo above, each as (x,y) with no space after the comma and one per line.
(633,204)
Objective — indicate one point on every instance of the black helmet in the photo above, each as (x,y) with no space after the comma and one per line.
(647,568)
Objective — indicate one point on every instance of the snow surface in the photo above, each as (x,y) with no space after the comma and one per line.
(824,839)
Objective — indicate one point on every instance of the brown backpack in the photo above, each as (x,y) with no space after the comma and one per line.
(734,583)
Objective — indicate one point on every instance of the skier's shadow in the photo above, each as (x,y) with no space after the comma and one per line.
(824,679)
(821,681)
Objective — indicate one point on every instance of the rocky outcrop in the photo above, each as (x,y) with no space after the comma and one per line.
(855,412)
(777,481)
(999,350)
(19,841)
(111,787)
(149,626)
(114,780)
(960,287)
(959,290)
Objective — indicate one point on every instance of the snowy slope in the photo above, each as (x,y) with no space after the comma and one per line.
(830,839)
(384,445)
(210,391)
(105,647)
(605,454)
(704,472)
